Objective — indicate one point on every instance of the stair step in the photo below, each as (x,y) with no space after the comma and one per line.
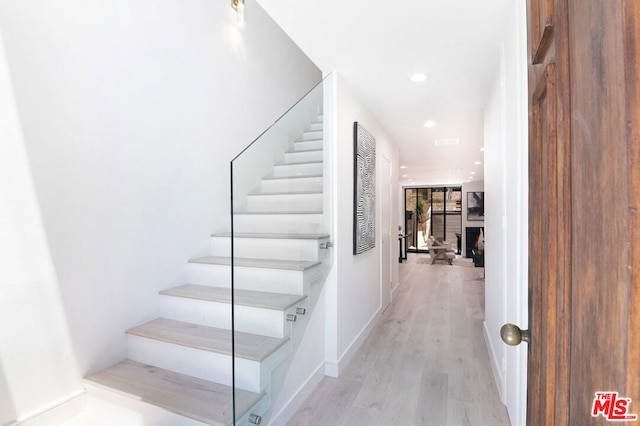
(286,202)
(291,265)
(264,235)
(312,134)
(269,275)
(271,176)
(316,126)
(304,155)
(205,352)
(256,299)
(269,245)
(270,184)
(310,168)
(307,145)
(302,150)
(298,163)
(201,400)
(279,222)
(211,339)
(256,312)
(273,194)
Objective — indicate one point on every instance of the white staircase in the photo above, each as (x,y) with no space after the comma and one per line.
(179,366)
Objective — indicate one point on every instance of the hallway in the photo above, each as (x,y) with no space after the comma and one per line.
(424,363)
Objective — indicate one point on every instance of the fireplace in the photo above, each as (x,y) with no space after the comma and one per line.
(471,234)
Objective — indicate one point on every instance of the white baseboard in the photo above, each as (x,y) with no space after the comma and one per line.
(350,352)
(295,402)
(58,413)
(495,364)
(329,368)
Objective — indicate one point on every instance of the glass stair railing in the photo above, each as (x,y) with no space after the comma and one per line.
(220,350)
(279,250)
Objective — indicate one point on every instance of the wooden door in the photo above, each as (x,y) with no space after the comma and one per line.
(584,177)
(584,230)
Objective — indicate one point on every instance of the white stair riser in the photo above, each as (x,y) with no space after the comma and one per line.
(250,375)
(119,409)
(310,184)
(300,156)
(284,203)
(259,279)
(307,145)
(267,322)
(293,170)
(267,248)
(316,126)
(181,359)
(279,223)
(314,134)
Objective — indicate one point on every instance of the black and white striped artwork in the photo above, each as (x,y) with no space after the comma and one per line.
(364,190)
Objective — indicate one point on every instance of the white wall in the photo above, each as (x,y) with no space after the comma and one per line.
(128,113)
(356,287)
(506,210)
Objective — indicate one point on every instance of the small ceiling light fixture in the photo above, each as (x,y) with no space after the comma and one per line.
(446,142)
(403,167)
(477,163)
(430,123)
(419,77)
(238,6)
(473,173)
(482,149)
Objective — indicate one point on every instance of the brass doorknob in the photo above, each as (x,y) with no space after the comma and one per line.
(512,335)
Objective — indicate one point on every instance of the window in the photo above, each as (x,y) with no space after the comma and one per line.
(433,211)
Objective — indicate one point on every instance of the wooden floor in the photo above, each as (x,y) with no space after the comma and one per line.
(425,362)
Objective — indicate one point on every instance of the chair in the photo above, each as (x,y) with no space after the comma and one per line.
(440,251)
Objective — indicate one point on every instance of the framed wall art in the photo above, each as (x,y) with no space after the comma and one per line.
(475,205)
(364,190)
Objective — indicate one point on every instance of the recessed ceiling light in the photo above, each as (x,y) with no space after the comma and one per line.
(478,163)
(446,142)
(419,77)
(403,167)
(405,175)
(482,149)
(473,173)
(430,123)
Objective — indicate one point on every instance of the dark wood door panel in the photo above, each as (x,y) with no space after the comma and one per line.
(541,19)
(547,281)
(600,193)
(584,202)
(631,13)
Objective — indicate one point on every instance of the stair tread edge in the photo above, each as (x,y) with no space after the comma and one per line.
(274,301)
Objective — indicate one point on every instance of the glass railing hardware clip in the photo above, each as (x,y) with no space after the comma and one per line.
(255,419)
(301,311)
(291,317)
(326,245)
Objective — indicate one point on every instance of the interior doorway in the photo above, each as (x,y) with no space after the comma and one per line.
(386,283)
(432,211)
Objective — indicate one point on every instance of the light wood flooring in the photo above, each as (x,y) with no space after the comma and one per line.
(424,363)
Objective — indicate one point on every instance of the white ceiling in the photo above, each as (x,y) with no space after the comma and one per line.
(377,45)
